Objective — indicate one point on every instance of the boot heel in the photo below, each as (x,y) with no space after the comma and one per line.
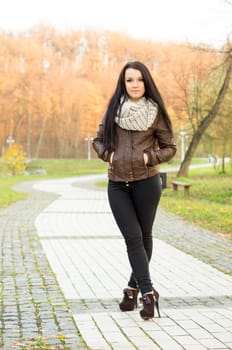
(157,308)
(156,297)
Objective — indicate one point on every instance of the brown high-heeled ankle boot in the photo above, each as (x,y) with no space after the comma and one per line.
(129,301)
(150,301)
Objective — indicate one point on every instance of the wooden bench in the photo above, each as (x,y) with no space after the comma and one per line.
(186,186)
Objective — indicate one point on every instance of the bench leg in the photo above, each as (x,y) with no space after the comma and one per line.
(186,191)
(175,187)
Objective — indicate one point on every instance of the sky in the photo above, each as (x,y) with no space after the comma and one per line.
(194,21)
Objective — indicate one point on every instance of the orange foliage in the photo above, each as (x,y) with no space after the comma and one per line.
(55,87)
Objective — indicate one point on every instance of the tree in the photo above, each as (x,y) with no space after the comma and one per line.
(54,87)
(210,116)
(219,135)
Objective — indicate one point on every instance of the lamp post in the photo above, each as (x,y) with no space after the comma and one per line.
(89,139)
(10,140)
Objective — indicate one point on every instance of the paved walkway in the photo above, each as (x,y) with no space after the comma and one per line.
(67,293)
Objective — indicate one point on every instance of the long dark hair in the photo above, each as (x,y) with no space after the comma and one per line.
(120,95)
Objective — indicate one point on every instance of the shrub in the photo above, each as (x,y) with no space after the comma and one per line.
(14,160)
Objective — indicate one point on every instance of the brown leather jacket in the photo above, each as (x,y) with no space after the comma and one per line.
(128,160)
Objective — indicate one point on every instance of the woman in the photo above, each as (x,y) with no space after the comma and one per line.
(135,136)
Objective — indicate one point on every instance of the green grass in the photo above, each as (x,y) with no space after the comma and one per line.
(55,169)
(210,202)
(68,167)
(8,195)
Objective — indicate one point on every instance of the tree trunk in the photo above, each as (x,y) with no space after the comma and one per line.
(41,134)
(204,124)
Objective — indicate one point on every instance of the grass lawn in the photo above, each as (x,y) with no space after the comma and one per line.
(55,168)
(209,205)
(210,202)
(8,195)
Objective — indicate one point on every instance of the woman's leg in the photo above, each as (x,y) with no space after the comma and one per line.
(134,208)
(146,196)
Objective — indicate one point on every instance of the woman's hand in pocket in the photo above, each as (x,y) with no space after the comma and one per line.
(145,157)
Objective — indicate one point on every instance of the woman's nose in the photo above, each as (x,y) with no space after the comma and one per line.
(135,83)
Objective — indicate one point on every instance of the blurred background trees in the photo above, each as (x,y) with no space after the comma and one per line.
(54,88)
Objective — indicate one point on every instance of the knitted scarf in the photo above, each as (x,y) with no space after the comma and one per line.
(137,116)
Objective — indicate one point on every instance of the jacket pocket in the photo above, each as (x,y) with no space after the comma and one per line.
(138,163)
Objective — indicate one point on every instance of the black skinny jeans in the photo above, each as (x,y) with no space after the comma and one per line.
(134,207)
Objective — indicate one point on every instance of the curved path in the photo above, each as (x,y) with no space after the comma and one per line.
(87,254)
(64,266)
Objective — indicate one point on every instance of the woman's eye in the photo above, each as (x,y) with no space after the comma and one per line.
(129,80)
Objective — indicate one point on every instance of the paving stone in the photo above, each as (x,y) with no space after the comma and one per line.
(25,278)
(64,267)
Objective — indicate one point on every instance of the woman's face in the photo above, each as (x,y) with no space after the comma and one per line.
(134,84)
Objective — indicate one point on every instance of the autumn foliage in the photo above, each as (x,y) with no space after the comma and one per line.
(14,160)
(54,87)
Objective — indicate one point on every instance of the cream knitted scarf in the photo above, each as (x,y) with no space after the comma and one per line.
(137,116)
